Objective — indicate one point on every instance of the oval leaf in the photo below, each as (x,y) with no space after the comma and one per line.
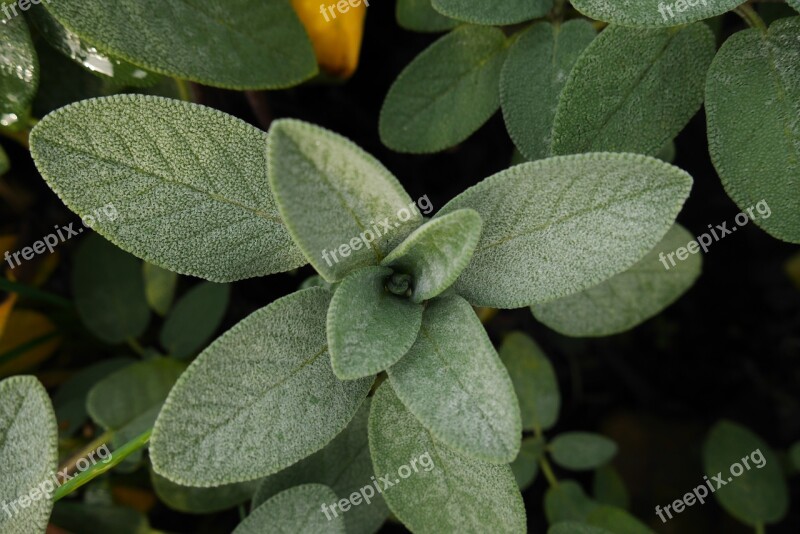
(159,287)
(296,510)
(616,520)
(580,451)
(19,72)
(497,13)
(567,502)
(419,16)
(653,13)
(258,399)
(526,465)
(201,500)
(609,488)
(194,319)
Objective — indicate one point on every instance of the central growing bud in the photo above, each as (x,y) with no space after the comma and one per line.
(399,284)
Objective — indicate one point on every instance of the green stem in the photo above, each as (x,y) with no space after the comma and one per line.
(137,348)
(102,439)
(760,528)
(33,293)
(101,467)
(751,17)
(183,90)
(548,472)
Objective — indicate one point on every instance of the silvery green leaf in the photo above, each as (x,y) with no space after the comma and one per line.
(629,298)
(19,72)
(497,13)
(29,450)
(752,107)
(580,451)
(201,500)
(196,39)
(159,287)
(534,381)
(294,511)
(526,465)
(359,206)
(194,319)
(258,399)
(453,381)
(368,327)
(614,208)
(653,13)
(795,4)
(538,65)
(567,502)
(345,466)
(447,92)
(436,253)
(633,90)
(419,15)
(448,492)
(187,184)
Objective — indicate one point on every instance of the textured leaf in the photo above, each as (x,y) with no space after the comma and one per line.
(629,298)
(188,183)
(195,39)
(613,208)
(194,319)
(499,12)
(533,76)
(753,105)
(534,381)
(345,466)
(446,93)
(758,494)
(633,90)
(109,291)
(436,253)
(653,13)
(19,72)
(526,465)
(29,450)
(201,500)
(457,494)
(296,510)
(264,393)
(567,502)
(419,16)
(453,381)
(795,4)
(352,194)
(159,287)
(617,521)
(336,37)
(369,328)
(580,451)
(609,488)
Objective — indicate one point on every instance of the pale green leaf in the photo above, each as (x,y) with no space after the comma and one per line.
(612,208)
(447,92)
(533,76)
(448,492)
(19,72)
(294,511)
(795,4)
(567,502)
(633,90)
(617,521)
(653,13)
(201,500)
(419,15)
(632,296)
(752,107)
(571,527)
(264,393)
(759,493)
(498,12)
(109,290)
(159,287)
(436,253)
(580,451)
(609,488)
(194,319)
(526,465)
(29,452)
(369,328)
(187,184)
(360,211)
(196,39)
(453,381)
(534,381)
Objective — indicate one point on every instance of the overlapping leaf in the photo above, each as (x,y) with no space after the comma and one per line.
(195,318)
(419,15)
(201,500)
(296,510)
(499,12)
(653,13)
(19,72)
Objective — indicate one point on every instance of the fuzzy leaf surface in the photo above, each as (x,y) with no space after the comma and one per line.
(419,16)
(497,13)
(653,13)
(296,511)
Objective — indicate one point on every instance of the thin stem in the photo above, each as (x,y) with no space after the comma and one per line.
(760,528)
(183,90)
(101,467)
(751,17)
(137,348)
(33,293)
(548,472)
(69,464)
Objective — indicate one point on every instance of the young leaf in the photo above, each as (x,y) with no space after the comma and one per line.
(346,467)
(109,291)
(614,208)
(526,465)
(616,520)
(497,13)
(533,76)
(580,451)
(419,16)
(296,510)
(369,328)
(195,39)
(653,13)
(19,72)
(194,319)
(534,381)
(633,90)
(629,298)
(567,502)
(212,217)
(609,488)
(29,449)
(457,493)
(356,220)
(159,287)
(446,93)
(264,393)
(453,381)
(752,105)
(201,500)
(758,494)
(436,253)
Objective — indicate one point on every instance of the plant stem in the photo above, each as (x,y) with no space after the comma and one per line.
(760,528)
(101,467)
(548,472)
(137,348)
(183,90)
(69,465)
(33,293)
(751,17)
